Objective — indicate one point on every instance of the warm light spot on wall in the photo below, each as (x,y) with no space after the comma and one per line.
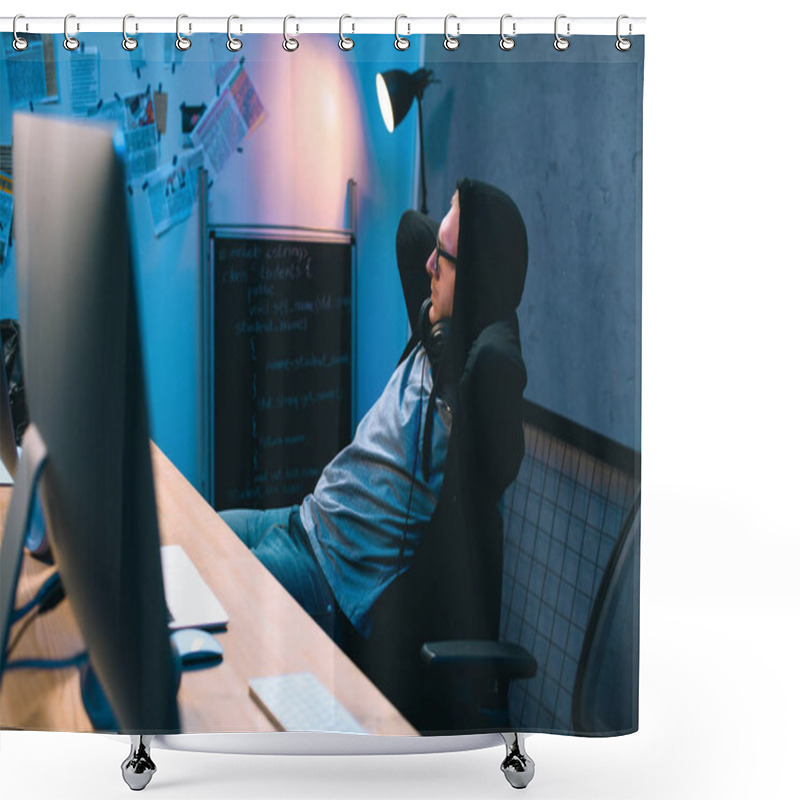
(312,140)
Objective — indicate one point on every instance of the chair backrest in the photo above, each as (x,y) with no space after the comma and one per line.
(605,700)
(451,591)
(564,514)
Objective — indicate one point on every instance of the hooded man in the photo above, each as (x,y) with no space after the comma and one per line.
(430,460)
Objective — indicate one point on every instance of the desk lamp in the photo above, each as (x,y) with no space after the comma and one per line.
(396,92)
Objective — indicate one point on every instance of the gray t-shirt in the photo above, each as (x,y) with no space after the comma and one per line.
(365,498)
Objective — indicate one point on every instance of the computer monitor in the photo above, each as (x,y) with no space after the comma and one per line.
(86,400)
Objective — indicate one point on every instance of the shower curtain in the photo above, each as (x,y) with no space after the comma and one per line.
(390,318)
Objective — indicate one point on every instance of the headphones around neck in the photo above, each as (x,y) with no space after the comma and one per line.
(433,336)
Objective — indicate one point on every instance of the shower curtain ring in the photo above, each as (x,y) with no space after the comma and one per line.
(128,42)
(622,44)
(289,45)
(345,42)
(70,42)
(233,44)
(19,43)
(561,43)
(451,42)
(400,42)
(507,42)
(182,42)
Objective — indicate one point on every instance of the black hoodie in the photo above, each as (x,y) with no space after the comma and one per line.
(490,277)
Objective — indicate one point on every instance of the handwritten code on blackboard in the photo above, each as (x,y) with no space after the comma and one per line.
(282,367)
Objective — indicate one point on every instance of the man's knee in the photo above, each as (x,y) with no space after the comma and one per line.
(236,520)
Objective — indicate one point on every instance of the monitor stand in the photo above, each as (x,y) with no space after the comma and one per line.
(18,520)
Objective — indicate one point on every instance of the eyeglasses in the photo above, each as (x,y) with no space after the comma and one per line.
(442,254)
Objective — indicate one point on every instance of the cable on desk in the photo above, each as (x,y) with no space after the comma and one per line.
(52,584)
(45,663)
(47,598)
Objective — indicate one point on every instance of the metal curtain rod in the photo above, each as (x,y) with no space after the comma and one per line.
(406,25)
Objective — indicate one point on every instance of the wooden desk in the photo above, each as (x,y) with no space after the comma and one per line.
(268,634)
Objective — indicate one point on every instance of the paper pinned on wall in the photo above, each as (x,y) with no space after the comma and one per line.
(223,62)
(160,103)
(135,115)
(6,212)
(141,135)
(190,116)
(110,110)
(31,73)
(84,67)
(230,118)
(6,160)
(171,191)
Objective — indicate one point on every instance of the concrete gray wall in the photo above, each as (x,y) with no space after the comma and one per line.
(561,132)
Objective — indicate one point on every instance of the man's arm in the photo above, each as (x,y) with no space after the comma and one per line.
(416,238)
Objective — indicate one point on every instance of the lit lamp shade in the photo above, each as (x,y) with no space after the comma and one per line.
(396,92)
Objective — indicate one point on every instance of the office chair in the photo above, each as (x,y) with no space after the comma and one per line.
(434,649)
(11,359)
(605,698)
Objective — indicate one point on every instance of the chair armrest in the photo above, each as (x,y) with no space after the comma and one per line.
(480,656)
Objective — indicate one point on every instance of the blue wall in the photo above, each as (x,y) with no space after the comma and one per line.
(322,126)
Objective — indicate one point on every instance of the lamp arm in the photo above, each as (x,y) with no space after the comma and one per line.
(424,207)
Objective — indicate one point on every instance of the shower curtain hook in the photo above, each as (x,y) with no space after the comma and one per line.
(345,42)
(233,44)
(451,42)
(623,44)
(507,42)
(400,42)
(289,45)
(19,43)
(182,42)
(128,42)
(70,42)
(561,43)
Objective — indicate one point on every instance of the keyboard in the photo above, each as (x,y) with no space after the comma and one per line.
(299,702)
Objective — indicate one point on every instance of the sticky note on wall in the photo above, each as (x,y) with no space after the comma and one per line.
(160,103)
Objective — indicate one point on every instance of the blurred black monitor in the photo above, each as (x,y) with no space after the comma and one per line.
(86,400)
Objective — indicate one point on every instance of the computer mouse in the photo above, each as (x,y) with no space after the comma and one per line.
(197,647)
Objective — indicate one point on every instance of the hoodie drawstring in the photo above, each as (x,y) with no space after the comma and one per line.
(427,434)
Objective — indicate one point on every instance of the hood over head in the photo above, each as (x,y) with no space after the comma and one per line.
(492,258)
(490,276)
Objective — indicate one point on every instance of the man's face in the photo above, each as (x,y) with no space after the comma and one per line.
(441,266)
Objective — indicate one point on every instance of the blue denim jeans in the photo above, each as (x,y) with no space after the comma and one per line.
(277,538)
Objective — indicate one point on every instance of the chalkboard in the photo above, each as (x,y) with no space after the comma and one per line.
(282,365)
